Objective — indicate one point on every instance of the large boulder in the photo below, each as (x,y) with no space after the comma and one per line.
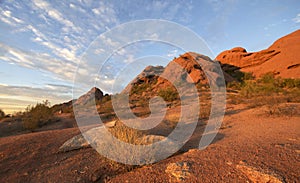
(96,137)
(199,67)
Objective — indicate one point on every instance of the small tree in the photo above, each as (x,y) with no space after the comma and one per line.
(36,116)
(2,114)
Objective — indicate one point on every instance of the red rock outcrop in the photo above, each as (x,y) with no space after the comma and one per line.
(281,58)
(194,65)
(94,94)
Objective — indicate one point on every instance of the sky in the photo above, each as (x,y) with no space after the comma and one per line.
(43,44)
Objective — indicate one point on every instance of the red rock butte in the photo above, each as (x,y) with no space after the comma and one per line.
(282,58)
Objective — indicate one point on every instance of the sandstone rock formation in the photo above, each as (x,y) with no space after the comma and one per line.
(199,67)
(94,94)
(282,58)
(148,75)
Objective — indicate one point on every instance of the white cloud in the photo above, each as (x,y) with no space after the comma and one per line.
(9,19)
(57,50)
(37,39)
(172,53)
(16,98)
(42,61)
(77,8)
(297,18)
(154,36)
(55,14)
(130,58)
(7,13)
(99,51)
(57,35)
(96,11)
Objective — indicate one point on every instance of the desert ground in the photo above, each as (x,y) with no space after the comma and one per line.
(251,146)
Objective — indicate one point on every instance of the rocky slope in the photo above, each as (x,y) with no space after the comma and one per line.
(282,58)
(189,63)
(94,94)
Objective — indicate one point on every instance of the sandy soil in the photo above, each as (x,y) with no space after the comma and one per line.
(249,140)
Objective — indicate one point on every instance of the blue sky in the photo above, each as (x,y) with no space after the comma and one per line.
(41,42)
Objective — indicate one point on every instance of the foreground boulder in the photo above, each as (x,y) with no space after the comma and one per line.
(95,135)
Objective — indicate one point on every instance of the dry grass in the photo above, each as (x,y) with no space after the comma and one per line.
(282,110)
(134,155)
(126,134)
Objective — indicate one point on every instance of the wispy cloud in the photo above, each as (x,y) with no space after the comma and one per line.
(55,14)
(297,18)
(172,53)
(39,61)
(6,17)
(61,32)
(16,98)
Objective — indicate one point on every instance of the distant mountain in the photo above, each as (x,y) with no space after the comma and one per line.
(282,58)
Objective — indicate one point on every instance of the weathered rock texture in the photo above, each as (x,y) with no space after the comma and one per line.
(282,58)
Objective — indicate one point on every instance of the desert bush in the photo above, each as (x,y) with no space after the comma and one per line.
(252,89)
(168,94)
(140,88)
(125,133)
(37,116)
(248,76)
(269,85)
(249,89)
(131,136)
(267,78)
(2,114)
(289,83)
(281,110)
(237,85)
(234,85)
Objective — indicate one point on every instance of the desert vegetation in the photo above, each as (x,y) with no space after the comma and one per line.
(265,85)
(168,94)
(270,91)
(37,115)
(2,114)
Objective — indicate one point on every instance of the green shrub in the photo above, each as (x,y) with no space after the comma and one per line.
(267,78)
(248,76)
(168,94)
(268,84)
(234,85)
(140,88)
(37,116)
(290,83)
(249,89)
